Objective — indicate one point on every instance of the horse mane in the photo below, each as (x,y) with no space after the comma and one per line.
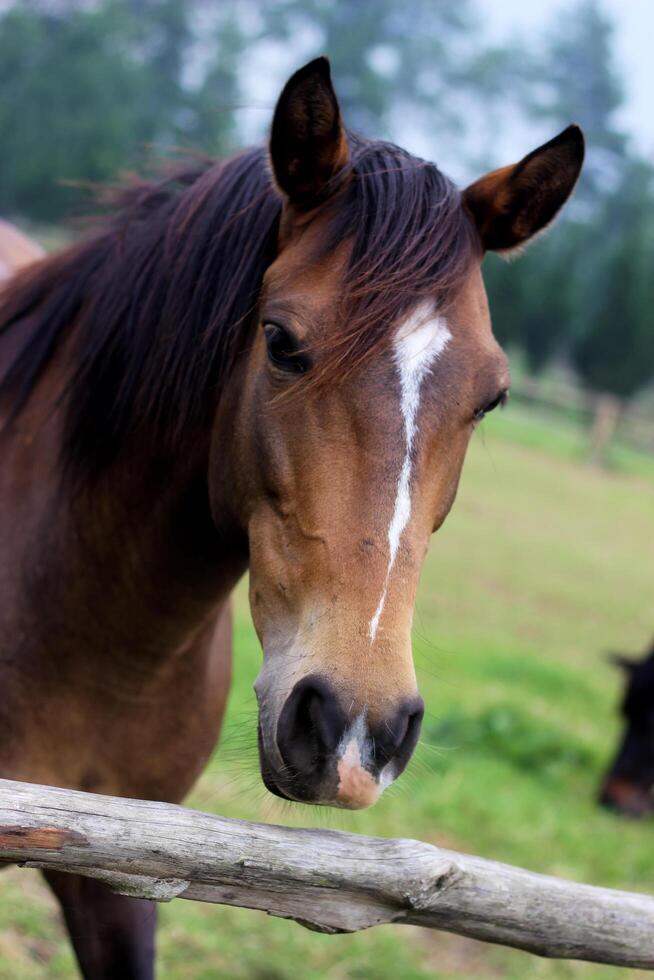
(161,295)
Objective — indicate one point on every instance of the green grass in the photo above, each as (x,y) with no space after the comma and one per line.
(544,564)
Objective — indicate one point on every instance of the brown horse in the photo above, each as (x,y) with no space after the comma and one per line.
(16,250)
(272,363)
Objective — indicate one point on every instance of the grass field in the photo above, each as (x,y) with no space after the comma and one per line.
(543,566)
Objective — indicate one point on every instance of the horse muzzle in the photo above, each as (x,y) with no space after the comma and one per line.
(323,753)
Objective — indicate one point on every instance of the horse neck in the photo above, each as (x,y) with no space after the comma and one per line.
(149,522)
(120,572)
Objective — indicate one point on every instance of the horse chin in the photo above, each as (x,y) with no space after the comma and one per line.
(285,791)
(272,786)
(339,803)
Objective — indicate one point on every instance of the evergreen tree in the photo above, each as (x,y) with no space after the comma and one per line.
(69,105)
(543,304)
(85,91)
(577,81)
(391,58)
(615,353)
(534,300)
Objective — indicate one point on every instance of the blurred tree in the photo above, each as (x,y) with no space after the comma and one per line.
(69,105)
(190,50)
(615,351)
(83,89)
(158,37)
(534,301)
(215,102)
(390,57)
(576,81)
(565,295)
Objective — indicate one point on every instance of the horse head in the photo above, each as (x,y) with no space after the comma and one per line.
(372,363)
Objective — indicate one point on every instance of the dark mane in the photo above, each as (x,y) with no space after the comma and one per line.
(161,295)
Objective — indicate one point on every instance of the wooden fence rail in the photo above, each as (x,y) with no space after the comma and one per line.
(326,880)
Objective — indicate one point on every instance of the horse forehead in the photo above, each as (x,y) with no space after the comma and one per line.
(303,266)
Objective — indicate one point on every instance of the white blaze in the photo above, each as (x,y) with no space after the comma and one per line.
(357,787)
(419,341)
(353,744)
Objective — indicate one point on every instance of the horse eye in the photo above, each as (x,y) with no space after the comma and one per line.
(500,399)
(283,350)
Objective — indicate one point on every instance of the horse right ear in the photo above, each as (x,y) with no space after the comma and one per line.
(308,147)
(514,203)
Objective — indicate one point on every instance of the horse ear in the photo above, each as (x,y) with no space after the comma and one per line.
(514,203)
(627,664)
(308,147)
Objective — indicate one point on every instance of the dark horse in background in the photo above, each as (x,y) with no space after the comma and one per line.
(274,363)
(628,786)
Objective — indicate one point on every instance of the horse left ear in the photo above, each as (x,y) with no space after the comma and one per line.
(308,147)
(627,664)
(513,204)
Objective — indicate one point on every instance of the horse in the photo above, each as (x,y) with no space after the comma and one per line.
(628,786)
(16,250)
(270,363)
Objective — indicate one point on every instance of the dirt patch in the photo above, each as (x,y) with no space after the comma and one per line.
(455,956)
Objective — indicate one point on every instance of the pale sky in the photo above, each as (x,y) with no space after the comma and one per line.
(514,136)
(634,50)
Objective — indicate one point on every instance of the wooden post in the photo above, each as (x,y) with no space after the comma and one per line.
(328,881)
(607,409)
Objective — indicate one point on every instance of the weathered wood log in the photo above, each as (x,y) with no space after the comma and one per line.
(326,880)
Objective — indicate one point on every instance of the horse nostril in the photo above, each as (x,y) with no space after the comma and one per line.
(399,738)
(310,726)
